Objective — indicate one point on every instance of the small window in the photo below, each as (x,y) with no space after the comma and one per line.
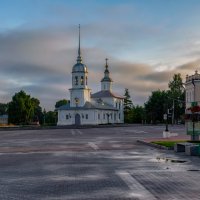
(86,80)
(115,116)
(76,80)
(119,105)
(98,116)
(111,116)
(67,116)
(116,104)
(104,116)
(86,116)
(82,80)
(119,115)
(76,101)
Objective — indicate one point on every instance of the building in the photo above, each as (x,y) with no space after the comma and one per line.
(102,107)
(3,119)
(192,100)
(192,89)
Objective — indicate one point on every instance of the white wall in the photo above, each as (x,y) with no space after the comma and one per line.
(117,103)
(189,93)
(94,117)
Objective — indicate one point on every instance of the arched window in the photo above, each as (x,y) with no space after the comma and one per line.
(76,101)
(82,80)
(76,80)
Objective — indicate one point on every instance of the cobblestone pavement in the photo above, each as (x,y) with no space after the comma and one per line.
(96,163)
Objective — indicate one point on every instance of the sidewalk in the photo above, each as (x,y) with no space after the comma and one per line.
(149,141)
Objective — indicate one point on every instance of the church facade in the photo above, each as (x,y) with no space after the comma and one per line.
(102,107)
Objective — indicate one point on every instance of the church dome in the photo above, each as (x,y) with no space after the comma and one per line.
(79,67)
(106,79)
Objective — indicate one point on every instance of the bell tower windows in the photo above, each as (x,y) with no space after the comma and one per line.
(82,80)
(76,80)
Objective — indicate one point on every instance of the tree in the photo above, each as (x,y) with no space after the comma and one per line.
(138,113)
(128,105)
(61,103)
(156,106)
(23,108)
(3,108)
(50,118)
(38,115)
(176,86)
(177,96)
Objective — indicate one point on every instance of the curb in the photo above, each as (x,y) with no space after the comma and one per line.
(61,127)
(155,145)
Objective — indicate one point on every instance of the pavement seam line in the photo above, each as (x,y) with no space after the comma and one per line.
(136,188)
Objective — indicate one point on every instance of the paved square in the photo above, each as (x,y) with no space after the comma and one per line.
(97,163)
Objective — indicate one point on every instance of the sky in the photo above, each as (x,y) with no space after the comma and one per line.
(146,42)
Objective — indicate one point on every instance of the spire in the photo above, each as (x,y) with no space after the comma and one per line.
(106,73)
(106,67)
(106,81)
(79,58)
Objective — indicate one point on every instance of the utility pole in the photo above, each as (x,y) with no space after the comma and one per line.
(173,113)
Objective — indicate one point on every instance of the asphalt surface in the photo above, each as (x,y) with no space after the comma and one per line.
(96,163)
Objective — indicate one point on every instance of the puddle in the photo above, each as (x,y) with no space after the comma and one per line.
(162,159)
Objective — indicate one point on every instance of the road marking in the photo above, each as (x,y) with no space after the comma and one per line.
(79,132)
(137,190)
(73,132)
(135,131)
(93,145)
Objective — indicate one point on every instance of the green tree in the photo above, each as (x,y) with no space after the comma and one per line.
(3,108)
(138,114)
(61,103)
(22,108)
(156,106)
(177,96)
(38,115)
(50,118)
(128,105)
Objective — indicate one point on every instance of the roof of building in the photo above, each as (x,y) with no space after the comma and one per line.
(192,78)
(106,77)
(79,67)
(106,93)
(99,105)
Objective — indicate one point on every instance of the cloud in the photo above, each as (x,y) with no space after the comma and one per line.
(40,61)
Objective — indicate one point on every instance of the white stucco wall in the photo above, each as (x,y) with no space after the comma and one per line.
(82,94)
(190,94)
(117,103)
(94,117)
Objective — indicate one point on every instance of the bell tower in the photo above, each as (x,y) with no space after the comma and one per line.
(106,82)
(79,93)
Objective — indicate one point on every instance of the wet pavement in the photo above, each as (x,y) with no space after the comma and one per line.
(97,163)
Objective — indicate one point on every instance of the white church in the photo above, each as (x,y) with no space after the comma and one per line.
(102,107)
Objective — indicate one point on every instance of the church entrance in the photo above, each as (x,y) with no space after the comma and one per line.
(77,119)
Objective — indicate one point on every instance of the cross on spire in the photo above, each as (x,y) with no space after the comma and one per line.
(106,63)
